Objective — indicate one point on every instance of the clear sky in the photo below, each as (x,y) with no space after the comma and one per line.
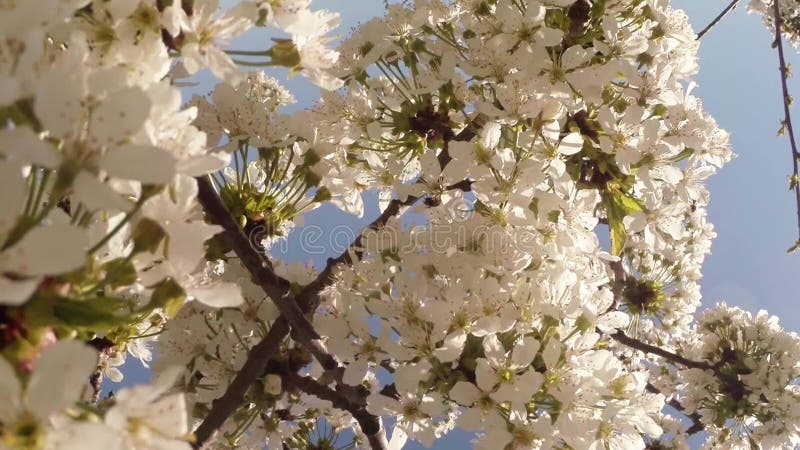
(751,206)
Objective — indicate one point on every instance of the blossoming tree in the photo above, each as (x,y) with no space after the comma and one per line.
(553,147)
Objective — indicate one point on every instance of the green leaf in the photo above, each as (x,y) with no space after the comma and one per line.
(120,272)
(147,235)
(169,296)
(97,314)
(687,152)
(284,53)
(618,205)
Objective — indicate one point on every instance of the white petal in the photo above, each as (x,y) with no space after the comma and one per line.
(552,353)
(571,144)
(465,393)
(95,195)
(398,440)
(218,295)
(222,66)
(524,352)
(168,416)
(490,135)
(186,243)
(12,185)
(355,372)
(485,376)
(493,350)
(574,56)
(48,251)
(119,116)
(471,419)
(381,405)
(452,347)
(198,165)
(60,374)
(16,292)
(192,59)
(58,104)
(145,163)
(114,374)
(73,436)
(10,391)
(21,145)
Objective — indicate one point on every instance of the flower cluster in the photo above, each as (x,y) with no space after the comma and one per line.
(555,154)
(750,392)
(101,237)
(790,17)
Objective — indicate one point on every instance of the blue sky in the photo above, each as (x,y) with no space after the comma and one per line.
(751,206)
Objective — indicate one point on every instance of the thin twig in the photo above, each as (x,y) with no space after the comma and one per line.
(370,425)
(666,354)
(697,424)
(786,110)
(277,288)
(294,309)
(731,6)
(254,366)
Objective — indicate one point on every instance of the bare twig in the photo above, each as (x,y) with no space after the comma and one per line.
(666,354)
(277,288)
(370,425)
(294,309)
(254,367)
(697,424)
(731,6)
(787,121)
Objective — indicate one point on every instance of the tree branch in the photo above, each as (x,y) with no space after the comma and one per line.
(294,309)
(277,288)
(731,6)
(666,354)
(254,366)
(697,424)
(787,121)
(370,425)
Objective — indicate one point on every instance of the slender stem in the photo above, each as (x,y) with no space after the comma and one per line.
(306,300)
(119,226)
(666,354)
(224,406)
(370,425)
(786,110)
(731,6)
(697,424)
(253,63)
(248,52)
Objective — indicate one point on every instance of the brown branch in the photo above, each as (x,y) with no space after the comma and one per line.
(294,309)
(787,121)
(277,288)
(666,354)
(697,424)
(308,298)
(370,425)
(254,366)
(731,6)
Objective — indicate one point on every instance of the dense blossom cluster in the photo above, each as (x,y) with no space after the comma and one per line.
(553,149)
(789,12)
